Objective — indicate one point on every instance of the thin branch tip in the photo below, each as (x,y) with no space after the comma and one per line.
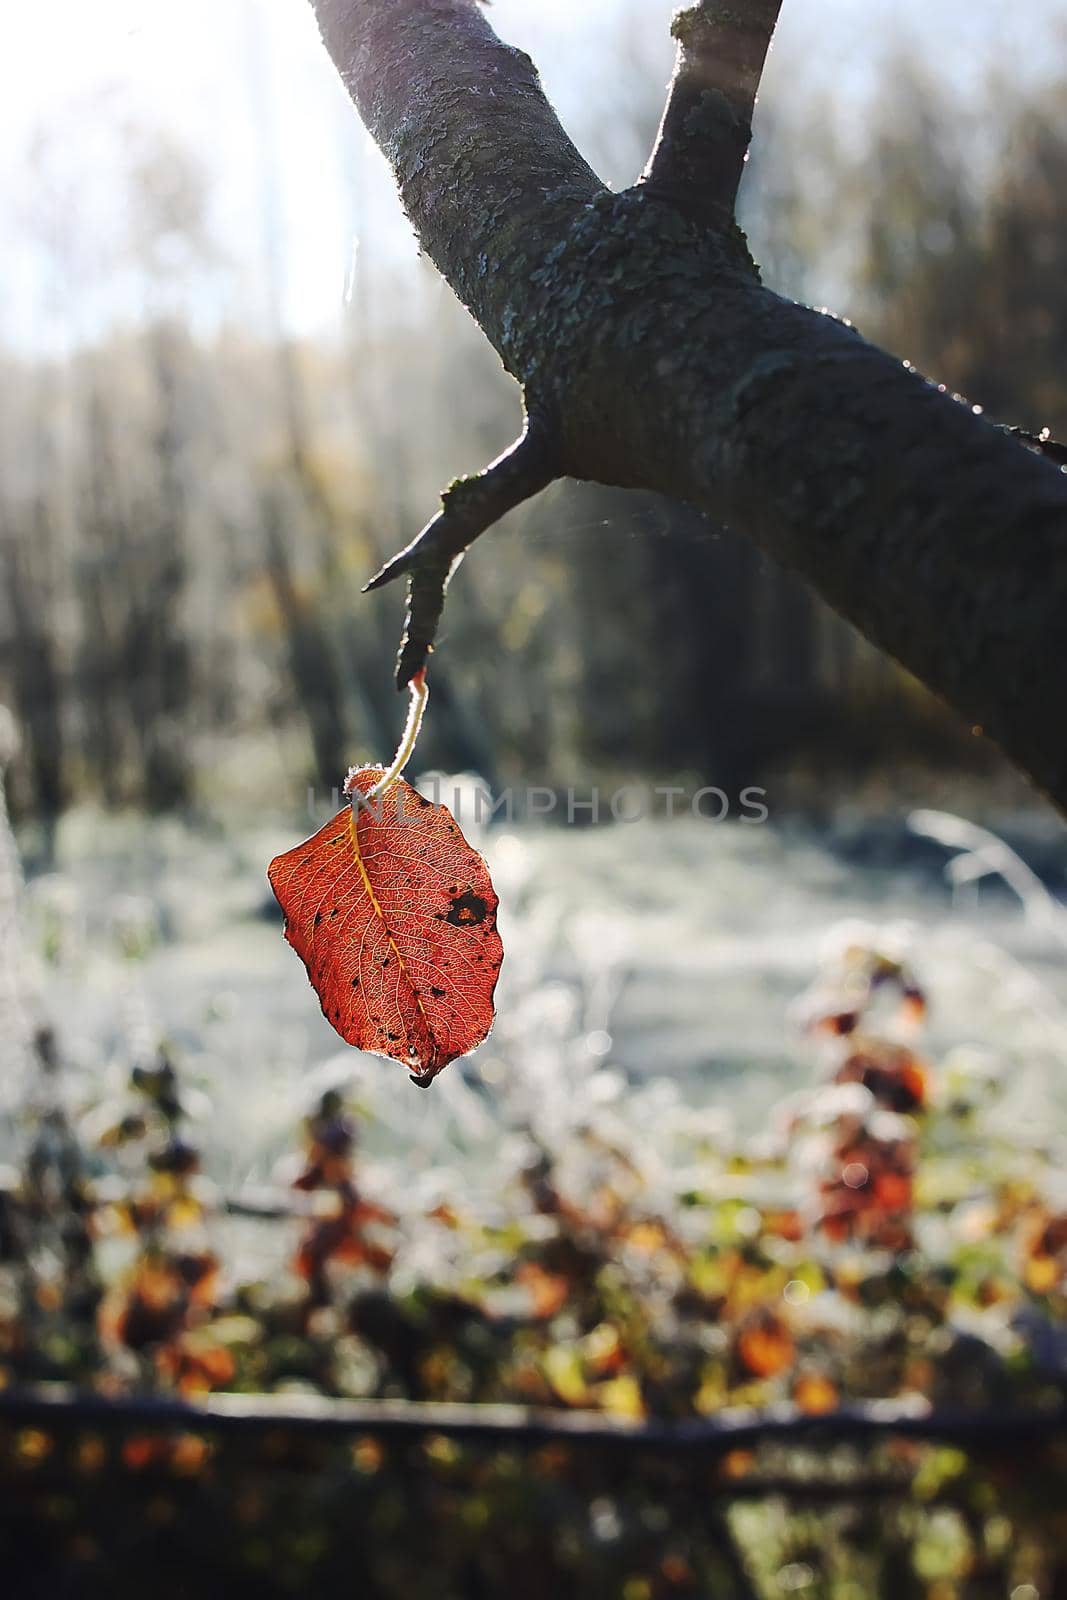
(384,575)
(1042,444)
(395,567)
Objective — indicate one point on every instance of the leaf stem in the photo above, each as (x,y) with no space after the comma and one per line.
(420,693)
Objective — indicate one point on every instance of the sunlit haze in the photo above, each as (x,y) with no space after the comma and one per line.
(247,87)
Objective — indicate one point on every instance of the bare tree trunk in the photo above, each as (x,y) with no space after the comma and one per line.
(651,356)
(103,563)
(37,689)
(29,564)
(158,664)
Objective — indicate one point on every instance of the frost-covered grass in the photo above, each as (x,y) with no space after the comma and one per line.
(649,970)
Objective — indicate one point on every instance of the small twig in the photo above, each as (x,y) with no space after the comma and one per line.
(702,144)
(1043,443)
(983,854)
(260,1209)
(468,507)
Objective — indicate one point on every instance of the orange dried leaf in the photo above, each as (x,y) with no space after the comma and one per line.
(676,1571)
(144,1450)
(815,1394)
(787,1225)
(548,1291)
(189,1454)
(1042,1274)
(649,1237)
(394,916)
(892,1191)
(765,1346)
(196,1365)
(737,1463)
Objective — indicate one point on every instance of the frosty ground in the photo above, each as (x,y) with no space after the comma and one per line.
(648,977)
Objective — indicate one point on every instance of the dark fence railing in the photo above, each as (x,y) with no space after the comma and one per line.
(279,1494)
(59,1407)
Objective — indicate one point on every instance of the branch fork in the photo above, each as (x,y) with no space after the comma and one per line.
(646,337)
(697,164)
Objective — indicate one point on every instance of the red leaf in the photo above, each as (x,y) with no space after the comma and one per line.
(394,916)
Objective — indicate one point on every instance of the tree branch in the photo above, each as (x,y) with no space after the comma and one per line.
(486,174)
(641,323)
(469,506)
(702,144)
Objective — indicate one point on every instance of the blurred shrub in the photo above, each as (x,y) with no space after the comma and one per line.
(882,1239)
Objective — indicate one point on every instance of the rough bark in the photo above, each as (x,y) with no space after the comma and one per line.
(638,324)
(702,144)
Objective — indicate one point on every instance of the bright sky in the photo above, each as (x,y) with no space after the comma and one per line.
(206,68)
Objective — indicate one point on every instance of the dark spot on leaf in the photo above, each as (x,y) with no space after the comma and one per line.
(467,910)
(437,993)
(318,918)
(355,983)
